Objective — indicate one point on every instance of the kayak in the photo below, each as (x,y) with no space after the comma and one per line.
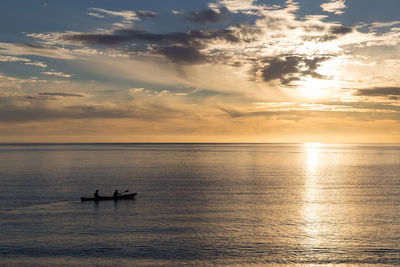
(126,196)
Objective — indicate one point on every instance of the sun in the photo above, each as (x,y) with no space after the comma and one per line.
(311,88)
(316,88)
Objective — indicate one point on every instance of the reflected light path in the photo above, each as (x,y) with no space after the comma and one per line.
(312,207)
(312,159)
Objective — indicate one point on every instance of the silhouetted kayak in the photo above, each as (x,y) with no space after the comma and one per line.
(126,196)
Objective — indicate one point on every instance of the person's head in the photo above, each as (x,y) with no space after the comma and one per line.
(97,191)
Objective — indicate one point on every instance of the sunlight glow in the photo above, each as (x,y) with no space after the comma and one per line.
(318,88)
(313,144)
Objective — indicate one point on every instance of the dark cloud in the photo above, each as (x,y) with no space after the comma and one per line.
(314,28)
(278,68)
(39,97)
(182,55)
(379,91)
(179,47)
(207,16)
(52,96)
(61,94)
(369,113)
(11,112)
(233,113)
(332,33)
(312,65)
(190,38)
(323,38)
(125,14)
(340,30)
(287,114)
(289,68)
(143,14)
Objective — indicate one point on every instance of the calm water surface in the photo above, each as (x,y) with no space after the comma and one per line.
(200,204)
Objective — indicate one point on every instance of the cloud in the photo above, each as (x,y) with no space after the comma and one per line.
(281,69)
(291,68)
(182,55)
(179,47)
(298,110)
(13,59)
(177,12)
(25,61)
(121,36)
(9,83)
(52,96)
(376,25)
(127,15)
(235,113)
(37,64)
(208,15)
(143,14)
(23,109)
(17,49)
(341,30)
(275,32)
(334,6)
(15,114)
(235,5)
(96,15)
(60,94)
(59,74)
(379,91)
(275,45)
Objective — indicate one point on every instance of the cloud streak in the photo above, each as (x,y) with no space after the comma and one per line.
(25,61)
(55,73)
(28,109)
(379,91)
(128,16)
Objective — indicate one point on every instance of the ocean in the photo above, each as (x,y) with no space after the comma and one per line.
(200,205)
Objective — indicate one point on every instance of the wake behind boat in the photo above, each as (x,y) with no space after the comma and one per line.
(124,196)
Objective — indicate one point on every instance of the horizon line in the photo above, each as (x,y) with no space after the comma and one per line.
(160,143)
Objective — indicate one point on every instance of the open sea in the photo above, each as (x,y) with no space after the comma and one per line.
(200,205)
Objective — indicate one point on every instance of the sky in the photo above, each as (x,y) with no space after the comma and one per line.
(200,71)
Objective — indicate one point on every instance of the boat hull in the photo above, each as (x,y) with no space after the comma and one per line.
(127,196)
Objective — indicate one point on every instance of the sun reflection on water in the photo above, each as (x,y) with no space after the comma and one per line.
(311,208)
(312,161)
